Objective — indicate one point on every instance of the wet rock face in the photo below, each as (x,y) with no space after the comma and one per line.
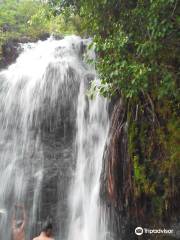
(116,183)
(58,130)
(10,51)
(126,211)
(57,146)
(58,168)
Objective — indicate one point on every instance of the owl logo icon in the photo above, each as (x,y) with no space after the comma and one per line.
(139,231)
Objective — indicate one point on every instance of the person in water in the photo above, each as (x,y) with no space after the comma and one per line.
(18,226)
(46,233)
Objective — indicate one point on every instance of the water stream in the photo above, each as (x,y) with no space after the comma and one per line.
(52,141)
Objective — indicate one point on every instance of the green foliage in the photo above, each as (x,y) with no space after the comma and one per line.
(15,19)
(14,15)
(137,46)
(155,153)
(32,18)
(39,21)
(134,42)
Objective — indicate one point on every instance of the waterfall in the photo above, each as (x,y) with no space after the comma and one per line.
(52,141)
(92,125)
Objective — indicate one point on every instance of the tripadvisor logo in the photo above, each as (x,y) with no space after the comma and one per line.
(139,231)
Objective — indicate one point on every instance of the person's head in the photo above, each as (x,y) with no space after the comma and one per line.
(19,223)
(47,228)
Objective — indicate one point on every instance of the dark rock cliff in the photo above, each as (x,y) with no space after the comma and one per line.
(10,51)
(116,182)
(126,207)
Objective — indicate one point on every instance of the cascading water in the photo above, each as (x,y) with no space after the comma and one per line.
(52,141)
(92,125)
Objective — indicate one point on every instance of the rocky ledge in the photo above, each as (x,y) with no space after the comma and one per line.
(11,48)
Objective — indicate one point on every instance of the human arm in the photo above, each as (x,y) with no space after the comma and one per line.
(23,215)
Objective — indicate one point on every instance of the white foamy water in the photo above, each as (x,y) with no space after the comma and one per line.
(92,123)
(45,86)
